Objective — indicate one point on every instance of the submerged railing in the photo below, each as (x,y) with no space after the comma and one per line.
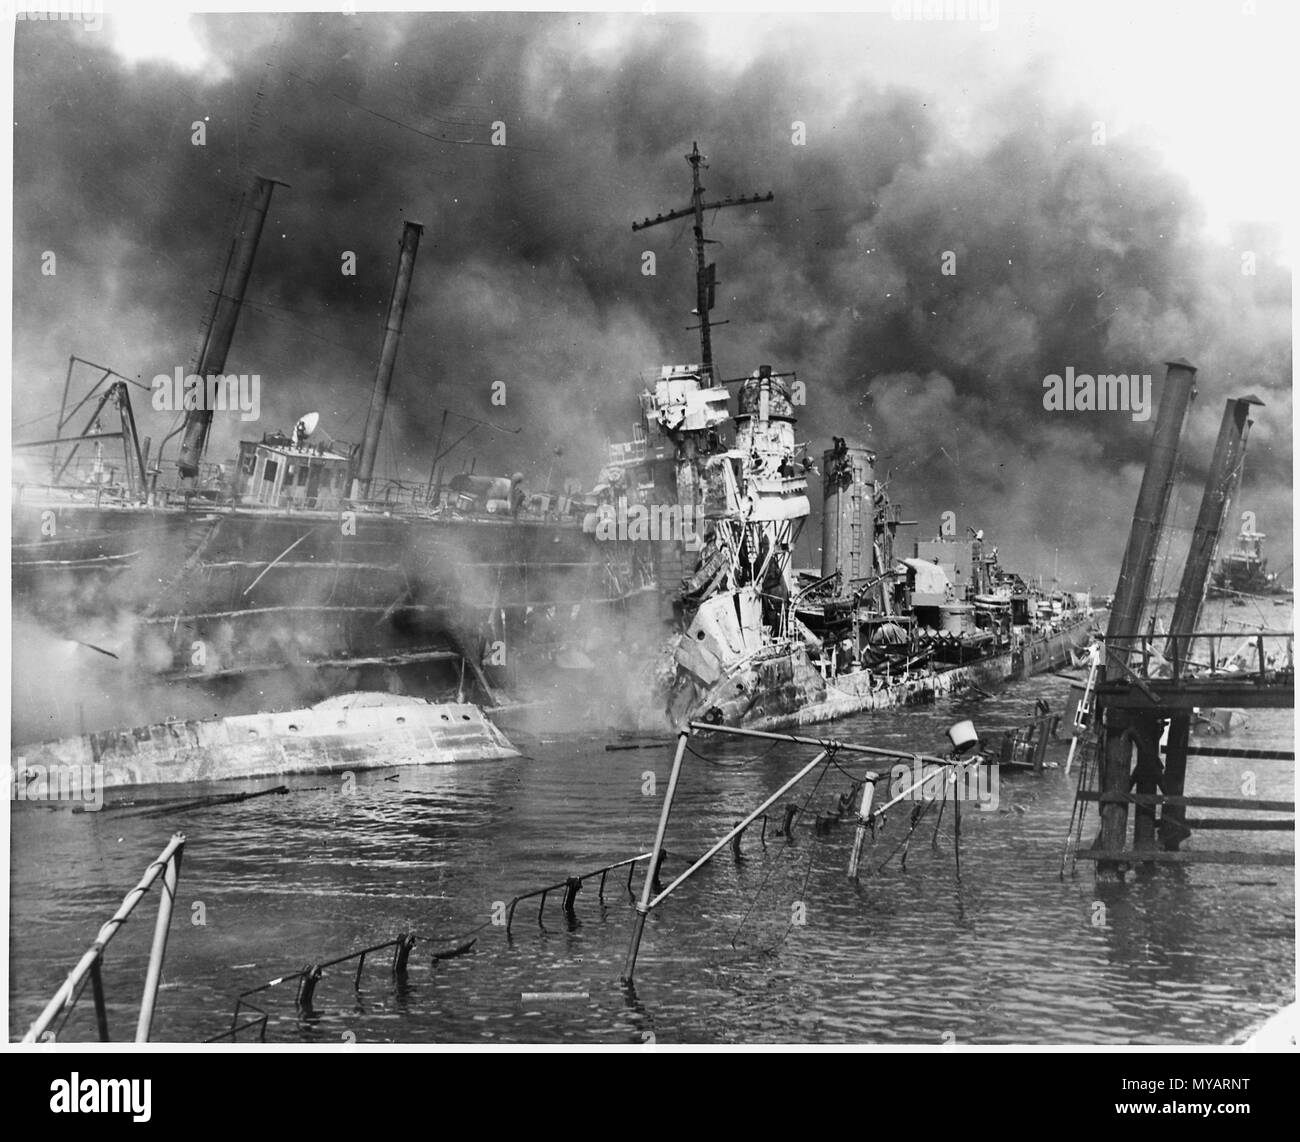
(310,976)
(306,979)
(573,884)
(168,866)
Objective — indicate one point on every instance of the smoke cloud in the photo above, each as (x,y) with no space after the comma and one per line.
(921,271)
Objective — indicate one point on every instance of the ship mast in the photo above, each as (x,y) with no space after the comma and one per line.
(225,314)
(705,278)
(411,232)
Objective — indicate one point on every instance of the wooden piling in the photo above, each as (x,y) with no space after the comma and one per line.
(1146,777)
(1173,816)
(1114,753)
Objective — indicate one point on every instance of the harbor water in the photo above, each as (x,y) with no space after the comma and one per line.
(778,948)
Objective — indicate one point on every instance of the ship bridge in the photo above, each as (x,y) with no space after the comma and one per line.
(277,472)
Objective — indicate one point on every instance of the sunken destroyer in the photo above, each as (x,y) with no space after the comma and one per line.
(759,644)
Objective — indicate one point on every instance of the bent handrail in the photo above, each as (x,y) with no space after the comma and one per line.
(166,865)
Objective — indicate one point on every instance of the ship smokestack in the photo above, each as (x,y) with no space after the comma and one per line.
(1229,450)
(1149,515)
(411,232)
(225,314)
(848,513)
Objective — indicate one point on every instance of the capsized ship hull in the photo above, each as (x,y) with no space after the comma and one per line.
(349,732)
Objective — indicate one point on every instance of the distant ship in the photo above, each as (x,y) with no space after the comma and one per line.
(1244,570)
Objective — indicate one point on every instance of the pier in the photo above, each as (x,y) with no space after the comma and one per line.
(1147,688)
(1136,770)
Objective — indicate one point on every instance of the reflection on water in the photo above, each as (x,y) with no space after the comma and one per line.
(779,947)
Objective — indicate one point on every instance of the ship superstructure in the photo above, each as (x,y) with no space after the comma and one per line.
(1243,569)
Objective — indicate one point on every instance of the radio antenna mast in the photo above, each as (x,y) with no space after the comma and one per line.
(705,278)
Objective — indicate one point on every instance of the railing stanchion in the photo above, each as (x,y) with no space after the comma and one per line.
(171,873)
(166,864)
(643,908)
(97,992)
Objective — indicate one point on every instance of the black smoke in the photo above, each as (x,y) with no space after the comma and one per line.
(1066,254)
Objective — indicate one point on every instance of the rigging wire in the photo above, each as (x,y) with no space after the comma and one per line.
(408,127)
(36,420)
(789,838)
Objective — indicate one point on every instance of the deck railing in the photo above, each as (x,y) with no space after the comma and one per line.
(168,866)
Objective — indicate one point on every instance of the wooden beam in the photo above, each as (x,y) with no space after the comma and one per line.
(1258,754)
(1127,856)
(1274,693)
(1194,802)
(1242,824)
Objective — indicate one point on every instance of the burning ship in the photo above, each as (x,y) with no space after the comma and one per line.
(756,643)
(296,556)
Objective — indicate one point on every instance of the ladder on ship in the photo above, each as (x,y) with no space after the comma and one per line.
(1079,812)
(1084,710)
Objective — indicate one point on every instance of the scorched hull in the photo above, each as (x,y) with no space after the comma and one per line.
(785,690)
(261,587)
(347,733)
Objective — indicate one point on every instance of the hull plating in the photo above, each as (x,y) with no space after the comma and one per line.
(785,690)
(350,732)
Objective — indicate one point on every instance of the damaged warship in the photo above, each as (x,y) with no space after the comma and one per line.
(760,645)
(295,556)
(1243,572)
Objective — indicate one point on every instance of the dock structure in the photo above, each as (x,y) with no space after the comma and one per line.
(1150,687)
(1133,713)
